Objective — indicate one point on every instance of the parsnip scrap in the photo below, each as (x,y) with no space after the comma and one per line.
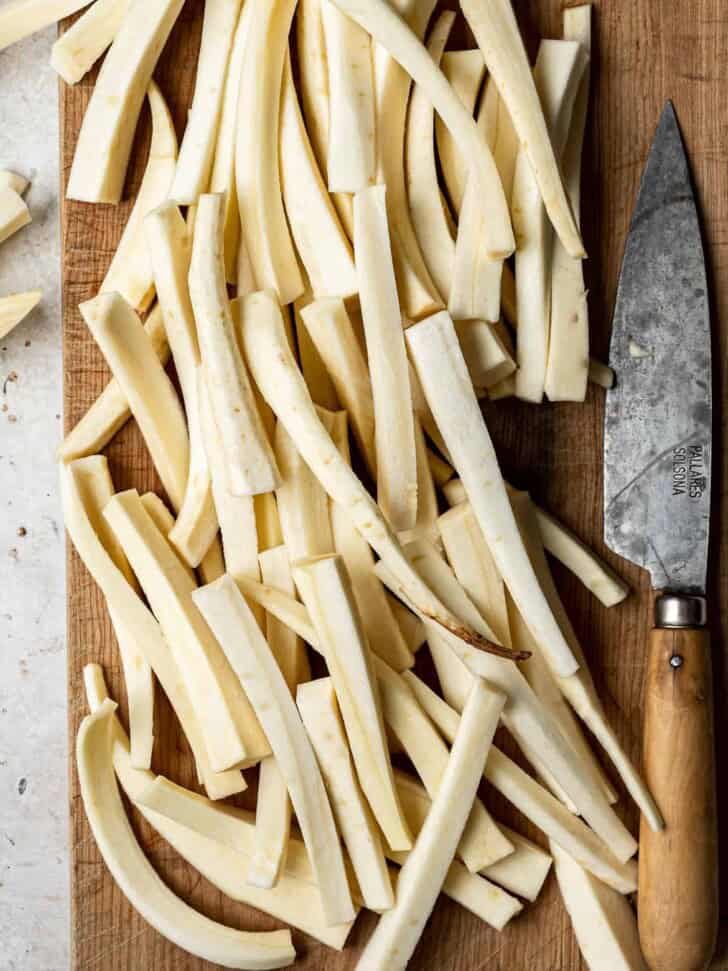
(164,521)
(601,374)
(14,214)
(78,48)
(11,180)
(15,308)
(486,357)
(464,70)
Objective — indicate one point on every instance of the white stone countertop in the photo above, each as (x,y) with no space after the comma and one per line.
(33,763)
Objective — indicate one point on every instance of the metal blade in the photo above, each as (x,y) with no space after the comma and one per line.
(657,449)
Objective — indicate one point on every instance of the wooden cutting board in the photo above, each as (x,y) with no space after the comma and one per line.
(645,51)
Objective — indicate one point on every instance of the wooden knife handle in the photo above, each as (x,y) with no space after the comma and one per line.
(678,867)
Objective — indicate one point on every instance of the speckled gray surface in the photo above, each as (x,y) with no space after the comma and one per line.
(33,790)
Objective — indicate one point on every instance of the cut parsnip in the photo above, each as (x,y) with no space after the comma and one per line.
(216,839)
(557,75)
(107,132)
(249,460)
(330,328)
(427,506)
(482,842)
(232,733)
(11,180)
(303,507)
(441,470)
(78,48)
(212,564)
(423,874)
(235,627)
(144,631)
(21,18)
(15,308)
(139,881)
(567,370)
(272,826)
(464,70)
(475,289)
(389,30)
(444,376)
(326,591)
(320,714)
(321,242)
(486,357)
(286,645)
(109,413)
(192,175)
(603,921)
(151,396)
(496,31)
(387,357)
(280,382)
(531,799)
(495,121)
(413,630)
(257,156)
(164,521)
(427,207)
(318,379)
(14,214)
(380,626)
(601,374)
(351,161)
(131,270)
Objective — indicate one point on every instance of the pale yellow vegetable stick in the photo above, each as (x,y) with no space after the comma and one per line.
(21,18)
(495,121)
(486,356)
(163,519)
(303,507)
(78,48)
(464,70)
(318,379)
(14,214)
(11,180)
(15,308)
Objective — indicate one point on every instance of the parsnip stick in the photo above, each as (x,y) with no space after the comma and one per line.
(330,328)
(427,507)
(402,43)
(380,626)
(169,247)
(326,591)
(413,630)
(249,460)
(538,805)
(387,356)
(475,290)
(486,357)
(423,874)
(441,470)
(303,506)
(318,379)
(321,717)
(267,522)
(107,132)
(464,70)
(281,384)
(427,206)
(163,519)
(443,373)
(235,627)
(557,75)
(78,48)
(152,398)
(130,272)
(496,123)
(15,308)
(568,362)
(494,25)
(257,156)
(14,214)
(11,180)
(21,18)
(322,244)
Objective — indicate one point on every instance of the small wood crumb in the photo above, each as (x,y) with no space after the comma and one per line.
(22,531)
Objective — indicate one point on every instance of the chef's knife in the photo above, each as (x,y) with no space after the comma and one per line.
(657,477)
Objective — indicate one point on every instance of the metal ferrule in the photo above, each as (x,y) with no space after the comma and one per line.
(680,611)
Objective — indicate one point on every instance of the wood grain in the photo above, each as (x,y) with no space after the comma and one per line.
(644,52)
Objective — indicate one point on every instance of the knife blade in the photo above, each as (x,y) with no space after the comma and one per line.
(657,486)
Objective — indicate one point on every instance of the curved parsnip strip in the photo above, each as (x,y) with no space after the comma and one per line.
(164,521)
(237,631)
(303,507)
(321,242)
(464,70)
(423,874)
(152,398)
(495,121)
(15,308)
(444,376)
(412,628)
(387,356)
(249,460)
(427,207)
(531,799)
(14,214)
(329,327)
(602,919)
(475,290)
(487,358)
(401,42)
(280,382)
(137,879)
(130,272)
(567,370)
(314,370)
(107,132)
(320,714)
(169,245)
(77,50)
(232,733)
(21,18)
(257,155)
(192,174)
(557,75)
(326,591)
(427,507)
(288,648)
(11,180)
(351,159)
(110,411)
(494,25)
(441,469)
